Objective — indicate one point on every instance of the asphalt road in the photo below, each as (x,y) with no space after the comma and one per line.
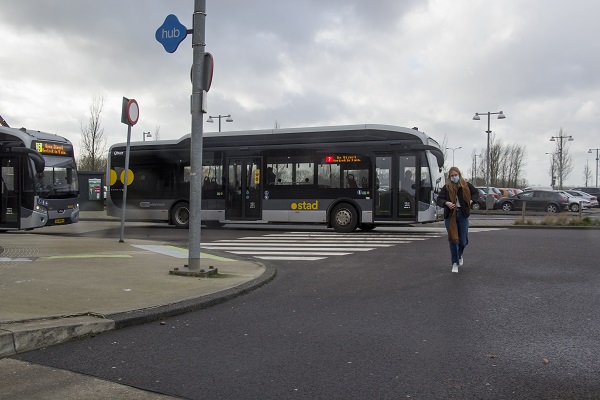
(520,321)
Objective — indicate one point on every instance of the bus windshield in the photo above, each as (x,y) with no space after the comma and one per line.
(59,178)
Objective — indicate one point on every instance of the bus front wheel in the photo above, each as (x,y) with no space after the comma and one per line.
(344,218)
(180,215)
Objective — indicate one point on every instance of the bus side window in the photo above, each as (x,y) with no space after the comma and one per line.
(354,176)
(304,173)
(351,181)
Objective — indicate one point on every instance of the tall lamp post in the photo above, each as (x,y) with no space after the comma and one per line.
(148,134)
(561,139)
(590,151)
(228,116)
(453,150)
(487,164)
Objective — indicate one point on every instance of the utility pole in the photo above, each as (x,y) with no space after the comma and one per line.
(597,150)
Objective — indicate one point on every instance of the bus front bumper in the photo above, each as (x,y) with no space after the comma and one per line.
(56,218)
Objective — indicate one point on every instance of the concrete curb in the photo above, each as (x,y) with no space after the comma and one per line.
(142,316)
(21,337)
(26,336)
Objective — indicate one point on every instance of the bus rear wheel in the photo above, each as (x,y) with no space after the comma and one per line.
(180,215)
(344,218)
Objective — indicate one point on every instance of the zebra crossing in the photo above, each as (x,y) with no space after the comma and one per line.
(310,246)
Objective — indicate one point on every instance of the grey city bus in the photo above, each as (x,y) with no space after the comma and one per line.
(346,177)
(39,180)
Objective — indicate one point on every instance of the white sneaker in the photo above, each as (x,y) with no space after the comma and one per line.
(460,262)
(455,268)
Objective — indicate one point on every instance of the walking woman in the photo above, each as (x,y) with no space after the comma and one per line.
(456,198)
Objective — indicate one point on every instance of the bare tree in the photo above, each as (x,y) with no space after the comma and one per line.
(496,155)
(473,167)
(93,140)
(587,174)
(477,166)
(157,132)
(552,169)
(506,164)
(516,162)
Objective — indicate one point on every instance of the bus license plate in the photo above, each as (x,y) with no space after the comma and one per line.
(59,221)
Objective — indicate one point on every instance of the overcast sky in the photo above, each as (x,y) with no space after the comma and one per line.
(425,63)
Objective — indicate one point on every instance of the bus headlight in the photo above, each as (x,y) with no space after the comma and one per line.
(41,208)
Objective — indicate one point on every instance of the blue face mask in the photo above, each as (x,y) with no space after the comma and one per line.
(455,179)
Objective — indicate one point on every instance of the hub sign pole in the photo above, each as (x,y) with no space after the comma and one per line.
(198,46)
(170,34)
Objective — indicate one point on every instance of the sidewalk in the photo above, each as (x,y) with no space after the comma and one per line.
(53,289)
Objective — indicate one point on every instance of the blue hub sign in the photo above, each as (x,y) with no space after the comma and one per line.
(171,33)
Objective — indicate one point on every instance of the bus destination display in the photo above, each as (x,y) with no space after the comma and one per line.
(343,158)
(55,149)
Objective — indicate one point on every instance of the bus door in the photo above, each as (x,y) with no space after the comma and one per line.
(395,186)
(9,197)
(243,189)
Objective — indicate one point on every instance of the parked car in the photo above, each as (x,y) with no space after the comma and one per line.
(538,188)
(593,199)
(544,200)
(494,191)
(594,191)
(506,192)
(575,202)
(480,204)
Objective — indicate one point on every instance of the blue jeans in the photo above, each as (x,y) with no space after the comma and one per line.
(456,249)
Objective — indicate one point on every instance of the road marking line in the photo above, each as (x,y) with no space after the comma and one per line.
(177,252)
(257,248)
(283,258)
(88,256)
(320,241)
(295,253)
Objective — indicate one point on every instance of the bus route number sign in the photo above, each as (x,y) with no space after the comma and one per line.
(345,158)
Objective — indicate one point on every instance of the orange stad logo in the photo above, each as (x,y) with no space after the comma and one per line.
(305,206)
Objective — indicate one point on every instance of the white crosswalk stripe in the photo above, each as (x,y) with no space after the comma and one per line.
(307,246)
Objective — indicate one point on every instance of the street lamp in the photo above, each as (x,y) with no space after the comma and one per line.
(228,116)
(146,134)
(487,166)
(561,139)
(551,169)
(590,151)
(453,150)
